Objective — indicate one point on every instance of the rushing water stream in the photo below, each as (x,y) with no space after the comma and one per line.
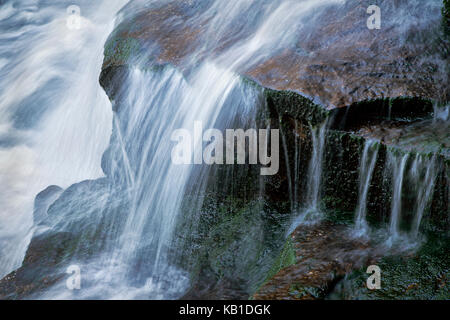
(423,173)
(398,165)
(119,197)
(55,119)
(144,179)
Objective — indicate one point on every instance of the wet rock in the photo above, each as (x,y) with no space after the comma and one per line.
(426,137)
(235,246)
(334,58)
(422,275)
(40,269)
(324,253)
(69,234)
(43,201)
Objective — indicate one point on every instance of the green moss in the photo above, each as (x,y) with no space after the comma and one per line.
(301,292)
(294,105)
(235,242)
(228,238)
(118,50)
(286,258)
(338,216)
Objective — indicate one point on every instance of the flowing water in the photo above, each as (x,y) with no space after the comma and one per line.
(55,119)
(398,165)
(136,253)
(366,168)
(63,143)
(421,176)
(57,128)
(160,185)
(441,113)
(318,135)
(311,212)
(423,173)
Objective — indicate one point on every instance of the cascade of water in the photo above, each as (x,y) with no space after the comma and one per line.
(55,119)
(398,167)
(296,165)
(136,253)
(311,212)
(423,173)
(160,184)
(138,163)
(366,168)
(288,170)
(318,135)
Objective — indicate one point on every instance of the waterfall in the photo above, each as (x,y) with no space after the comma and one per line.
(311,213)
(55,119)
(288,171)
(423,174)
(214,95)
(398,170)
(297,162)
(160,185)
(142,178)
(366,168)
(124,223)
(318,135)
(98,171)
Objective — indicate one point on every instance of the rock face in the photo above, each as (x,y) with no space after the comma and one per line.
(330,54)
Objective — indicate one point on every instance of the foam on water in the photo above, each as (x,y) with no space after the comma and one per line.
(55,119)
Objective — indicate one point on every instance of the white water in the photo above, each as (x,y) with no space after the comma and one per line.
(65,143)
(366,167)
(398,173)
(135,261)
(55,119)
(318,135)
(423,174)
(159,184)
(311,213)
(314,182)
(210,90)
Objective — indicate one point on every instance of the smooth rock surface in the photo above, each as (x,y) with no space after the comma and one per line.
(331,56)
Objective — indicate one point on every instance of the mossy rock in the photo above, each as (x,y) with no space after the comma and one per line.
(118,51)
(286,258)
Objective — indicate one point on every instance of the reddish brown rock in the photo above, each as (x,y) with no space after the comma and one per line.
(324,253)
(334,58)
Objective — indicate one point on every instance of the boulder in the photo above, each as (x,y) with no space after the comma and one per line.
(331,57)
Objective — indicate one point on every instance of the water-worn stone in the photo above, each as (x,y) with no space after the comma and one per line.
(335,60)
(323,254)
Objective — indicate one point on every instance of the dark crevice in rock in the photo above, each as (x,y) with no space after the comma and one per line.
(407,109)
